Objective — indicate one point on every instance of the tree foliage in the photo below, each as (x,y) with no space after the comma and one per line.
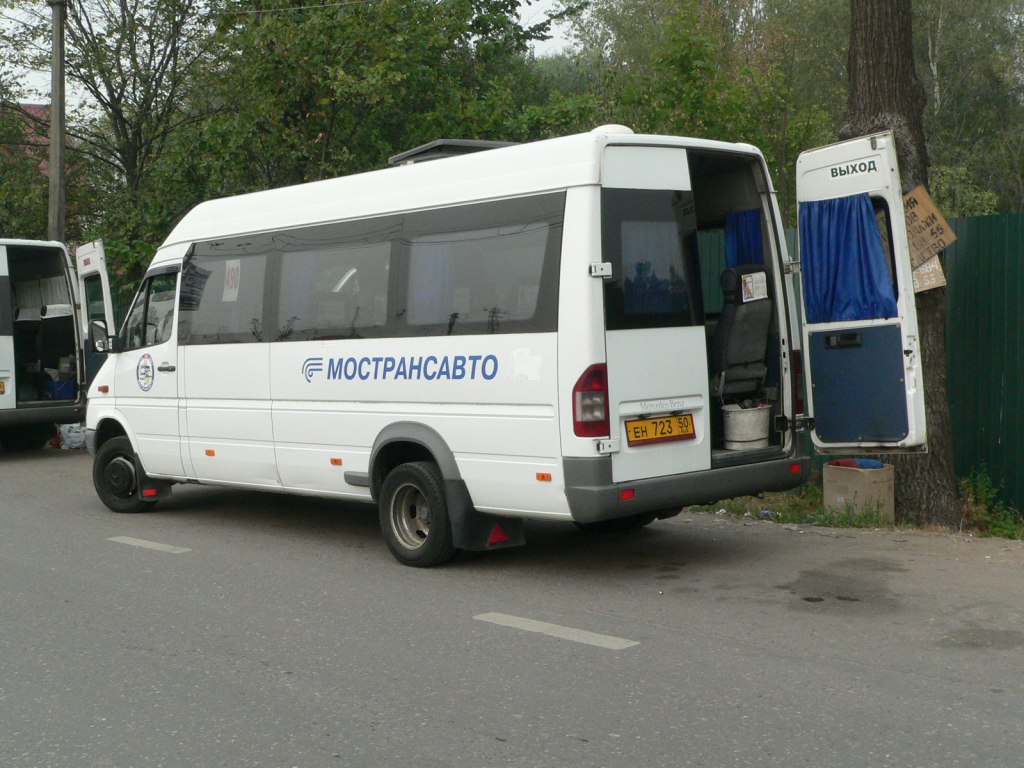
(137,61)
(23,188)
(971,57)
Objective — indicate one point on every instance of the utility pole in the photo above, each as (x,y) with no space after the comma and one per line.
(57,171)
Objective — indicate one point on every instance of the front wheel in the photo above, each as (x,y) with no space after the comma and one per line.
(116,477)
(414,515)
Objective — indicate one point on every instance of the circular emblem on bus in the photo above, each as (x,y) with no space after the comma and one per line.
(144,373)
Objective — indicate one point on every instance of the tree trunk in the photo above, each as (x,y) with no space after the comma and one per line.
(886,94)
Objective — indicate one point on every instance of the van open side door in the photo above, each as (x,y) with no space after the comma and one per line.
(94,291)
(864,381)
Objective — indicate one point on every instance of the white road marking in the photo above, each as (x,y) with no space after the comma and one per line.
(150,545)
(556,630)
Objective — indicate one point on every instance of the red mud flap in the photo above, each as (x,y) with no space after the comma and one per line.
(154,490)
(149,488)
(476,531)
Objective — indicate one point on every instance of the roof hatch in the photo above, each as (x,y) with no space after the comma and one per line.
(442,148)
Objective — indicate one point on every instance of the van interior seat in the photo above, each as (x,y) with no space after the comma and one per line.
(50,311)
(26,338)
(56,339)
(739,345)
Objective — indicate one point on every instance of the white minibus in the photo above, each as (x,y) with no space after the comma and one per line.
(597,329)
(44,364)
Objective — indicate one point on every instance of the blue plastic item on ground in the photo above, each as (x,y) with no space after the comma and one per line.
(869,464)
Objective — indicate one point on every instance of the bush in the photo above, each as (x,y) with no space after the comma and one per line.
(984,511)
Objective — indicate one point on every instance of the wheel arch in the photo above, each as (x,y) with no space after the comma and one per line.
(406,441)
(109,427)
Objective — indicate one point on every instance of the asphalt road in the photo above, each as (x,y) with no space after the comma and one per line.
(229,628)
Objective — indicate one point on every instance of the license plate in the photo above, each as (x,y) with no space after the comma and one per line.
(660,430)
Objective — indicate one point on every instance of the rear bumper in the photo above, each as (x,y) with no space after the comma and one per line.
(54,412)
(594,497)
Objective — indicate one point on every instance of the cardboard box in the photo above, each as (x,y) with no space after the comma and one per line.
(861,489)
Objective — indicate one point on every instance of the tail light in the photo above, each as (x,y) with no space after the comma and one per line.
(590,403)
(798,380)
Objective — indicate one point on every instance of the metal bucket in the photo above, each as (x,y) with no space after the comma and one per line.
(745,428)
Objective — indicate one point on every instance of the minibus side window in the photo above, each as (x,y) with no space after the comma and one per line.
(487,268)
(467,269)
(884,222)
(222,294)
(152,314)
(94,297)
(333,292)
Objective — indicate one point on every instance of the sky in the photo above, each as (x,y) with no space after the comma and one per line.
(535,12)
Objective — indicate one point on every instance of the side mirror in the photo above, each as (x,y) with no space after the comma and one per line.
(98,338)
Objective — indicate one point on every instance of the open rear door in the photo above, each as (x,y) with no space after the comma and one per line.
(94,291)
(864,387)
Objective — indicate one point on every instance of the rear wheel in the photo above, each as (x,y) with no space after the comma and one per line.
(116,477)
(414,515)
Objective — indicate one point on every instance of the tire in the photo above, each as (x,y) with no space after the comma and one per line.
(115,475)
(30,437)
(414,515)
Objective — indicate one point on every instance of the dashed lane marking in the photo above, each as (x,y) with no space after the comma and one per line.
(169,549)
(557,630)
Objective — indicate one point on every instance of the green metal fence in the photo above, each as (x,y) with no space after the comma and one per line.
(984,334)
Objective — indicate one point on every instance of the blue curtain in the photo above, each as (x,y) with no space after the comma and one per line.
(845,274)
(743,244)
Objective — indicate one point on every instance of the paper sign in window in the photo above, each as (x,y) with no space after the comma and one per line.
(232,279)
(755,286)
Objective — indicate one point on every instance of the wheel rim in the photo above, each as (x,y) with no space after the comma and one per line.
(119,475)
(410,516)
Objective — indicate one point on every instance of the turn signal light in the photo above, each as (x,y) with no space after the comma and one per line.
(103,388)
(590,403)
(210,452)
(335,462)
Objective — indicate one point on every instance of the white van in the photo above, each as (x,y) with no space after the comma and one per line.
(599,329)
(44,365)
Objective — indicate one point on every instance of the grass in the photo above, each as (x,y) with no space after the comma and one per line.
(803,506)
(984,512)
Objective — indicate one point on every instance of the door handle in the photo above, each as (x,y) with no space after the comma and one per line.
(165,367)
(843,340)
